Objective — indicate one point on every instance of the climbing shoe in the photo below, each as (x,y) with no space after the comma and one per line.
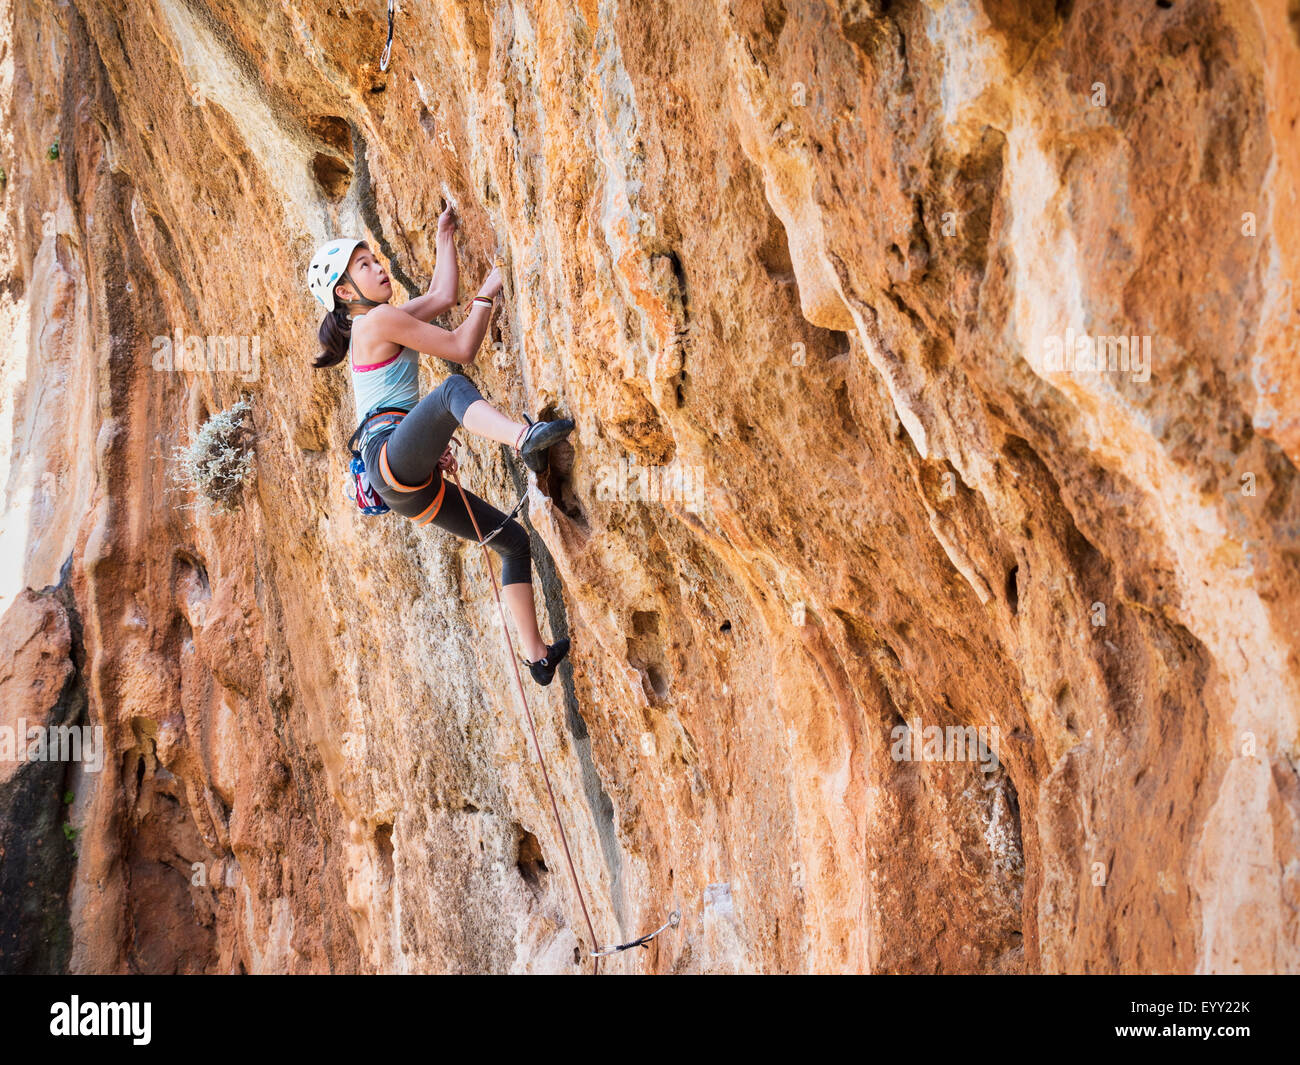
(544,668)
(535,439)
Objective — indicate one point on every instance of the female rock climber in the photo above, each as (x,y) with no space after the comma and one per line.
(405,439)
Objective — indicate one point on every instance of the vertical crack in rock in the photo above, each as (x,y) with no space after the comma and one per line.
(598,800)
(365,193)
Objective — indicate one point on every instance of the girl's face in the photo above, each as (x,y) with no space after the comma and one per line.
(369,277)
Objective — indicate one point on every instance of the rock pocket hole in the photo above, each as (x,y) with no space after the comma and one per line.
(557,481)
(1013,589)
(191,575)
(774,253)
(334,131)
(531,864)
(332,165)
(645,653)
(560,482)
(658,683)
(384,848)
(332,175)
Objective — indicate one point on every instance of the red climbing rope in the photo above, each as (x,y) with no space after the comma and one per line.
(519,684)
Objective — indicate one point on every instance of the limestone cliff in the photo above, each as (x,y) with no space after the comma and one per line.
(839,264)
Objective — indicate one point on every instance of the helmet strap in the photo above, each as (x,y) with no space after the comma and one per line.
(360,300)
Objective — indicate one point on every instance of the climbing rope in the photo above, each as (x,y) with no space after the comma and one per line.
(675,917)
(383,62)
(519,684)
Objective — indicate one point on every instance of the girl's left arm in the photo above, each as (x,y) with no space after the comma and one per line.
(445,286)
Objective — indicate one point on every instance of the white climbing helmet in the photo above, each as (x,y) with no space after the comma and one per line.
(327,266)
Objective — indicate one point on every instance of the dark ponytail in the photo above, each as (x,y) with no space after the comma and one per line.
(335,333)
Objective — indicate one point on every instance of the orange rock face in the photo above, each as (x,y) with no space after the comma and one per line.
(928,540)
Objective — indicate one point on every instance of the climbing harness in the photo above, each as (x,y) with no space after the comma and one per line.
(596,954)
(383,62)
(674,919)
(357,485)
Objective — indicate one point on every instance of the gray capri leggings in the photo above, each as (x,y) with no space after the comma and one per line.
(402,461)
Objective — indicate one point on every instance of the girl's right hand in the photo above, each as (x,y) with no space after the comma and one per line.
(447,223)
(492,286)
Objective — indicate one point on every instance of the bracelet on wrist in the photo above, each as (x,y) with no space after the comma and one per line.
(483,300)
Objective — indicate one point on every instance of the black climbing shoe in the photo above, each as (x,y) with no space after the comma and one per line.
(544,668)
(538,437)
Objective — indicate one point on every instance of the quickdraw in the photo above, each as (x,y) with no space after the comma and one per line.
(392,8)
(674,919)
(504,521)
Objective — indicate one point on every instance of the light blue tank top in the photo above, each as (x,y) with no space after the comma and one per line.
(393,383)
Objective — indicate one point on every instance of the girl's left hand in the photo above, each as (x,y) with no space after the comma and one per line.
(492,286)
